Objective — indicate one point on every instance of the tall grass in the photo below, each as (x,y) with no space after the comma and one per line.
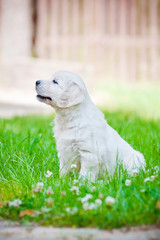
(28,151)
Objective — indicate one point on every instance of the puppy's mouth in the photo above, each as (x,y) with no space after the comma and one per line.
(44,97)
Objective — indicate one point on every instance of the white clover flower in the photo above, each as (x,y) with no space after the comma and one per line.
(98,202)
(86,198)
(49,191)
(100,196)
(156,168)
(74,210)
(68,210)
(45,209)
(147,179)
(48,174)
(15,203)
(18,201)
(39,186)
(73,166)
(153,177)
(128,182)
(93,189)
(109,201)
(49,202)
(142,190)
(75,181)
(92,206)
(63,193)
(86,206)
(134,172)
(75,189)
(89,206)
(34,190)
(79,199)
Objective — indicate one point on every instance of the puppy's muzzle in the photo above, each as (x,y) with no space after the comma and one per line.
(41,97)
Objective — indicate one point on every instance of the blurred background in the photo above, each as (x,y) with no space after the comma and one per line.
(113,44)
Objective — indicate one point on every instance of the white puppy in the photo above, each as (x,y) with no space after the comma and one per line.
(83,136)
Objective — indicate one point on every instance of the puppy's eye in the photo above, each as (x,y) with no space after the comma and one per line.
(54,81)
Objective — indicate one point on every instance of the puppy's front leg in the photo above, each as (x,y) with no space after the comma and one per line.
(64,166)
(89,166)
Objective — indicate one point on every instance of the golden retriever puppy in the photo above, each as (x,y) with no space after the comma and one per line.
(82,135)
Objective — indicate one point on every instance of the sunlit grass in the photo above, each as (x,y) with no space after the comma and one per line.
(141,99)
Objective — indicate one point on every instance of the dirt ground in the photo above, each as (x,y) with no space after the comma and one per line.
(12,231)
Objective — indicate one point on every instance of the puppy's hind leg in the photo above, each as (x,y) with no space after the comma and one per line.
(134,162)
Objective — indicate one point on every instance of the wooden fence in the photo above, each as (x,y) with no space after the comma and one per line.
(119,38)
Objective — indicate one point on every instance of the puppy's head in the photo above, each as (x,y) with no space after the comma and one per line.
(63,90)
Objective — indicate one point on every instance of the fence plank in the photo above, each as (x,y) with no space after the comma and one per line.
(86,28)
(153,34)
(113,17)
(112,7)
(54,29)
(133,32)
(143,32)
(100,16)
(75,17)
(65,27)
(143,17)
(123,71)
(0,23)
(42,27)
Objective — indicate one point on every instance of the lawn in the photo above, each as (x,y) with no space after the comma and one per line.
(28,193)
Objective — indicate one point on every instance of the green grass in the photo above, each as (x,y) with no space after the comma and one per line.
(27,151)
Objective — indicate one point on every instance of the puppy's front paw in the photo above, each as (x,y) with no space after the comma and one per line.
(87,176)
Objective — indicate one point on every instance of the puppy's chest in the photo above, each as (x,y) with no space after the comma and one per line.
(67,140)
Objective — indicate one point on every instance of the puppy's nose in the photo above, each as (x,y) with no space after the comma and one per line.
(38,82)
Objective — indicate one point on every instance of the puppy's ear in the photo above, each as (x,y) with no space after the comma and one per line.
(73,95)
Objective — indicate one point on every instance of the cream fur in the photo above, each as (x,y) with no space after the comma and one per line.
(82,135)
